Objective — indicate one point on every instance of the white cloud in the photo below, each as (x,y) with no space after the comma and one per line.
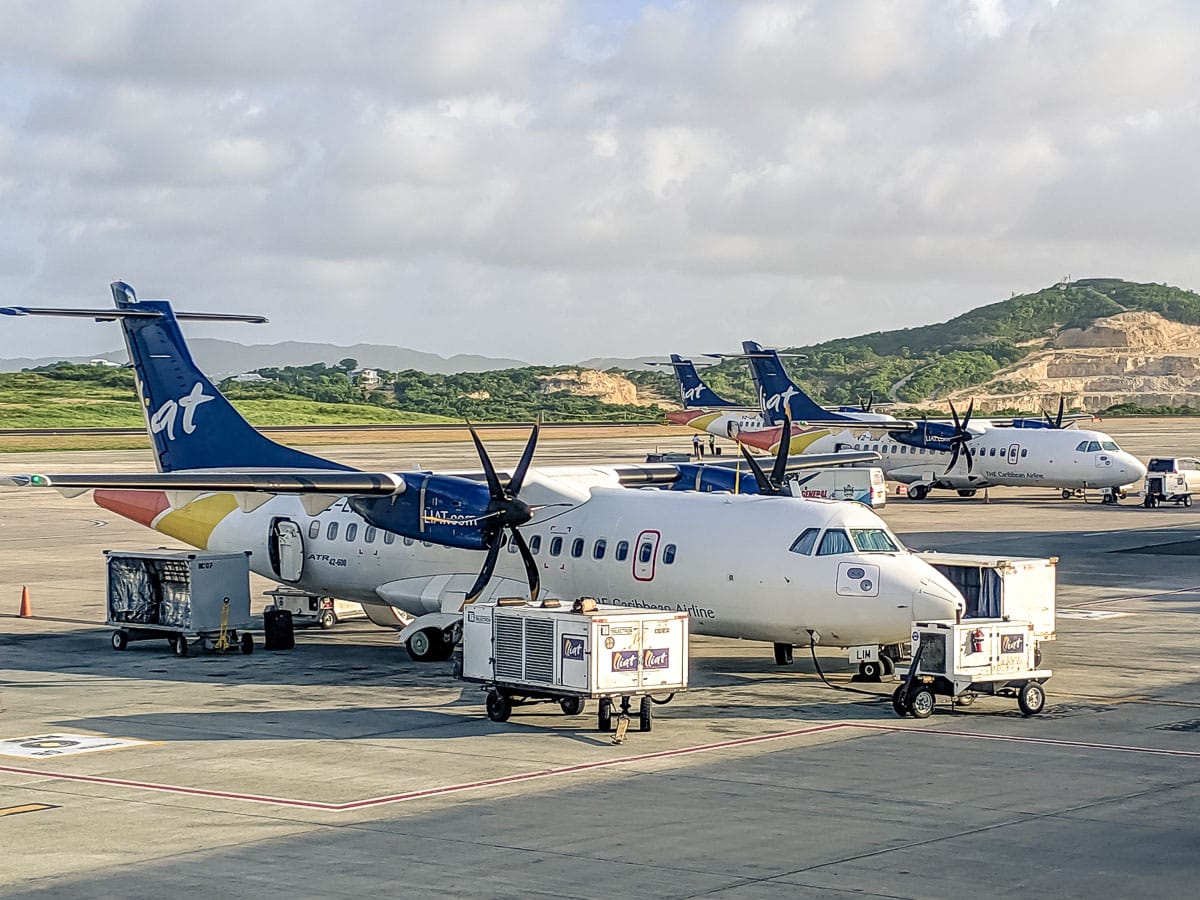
(560,180)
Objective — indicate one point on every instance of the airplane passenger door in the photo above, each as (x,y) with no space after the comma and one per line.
(286,549)
(645,551)
(1014,453)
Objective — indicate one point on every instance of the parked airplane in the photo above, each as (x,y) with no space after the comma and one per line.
(754,566)
(959,455)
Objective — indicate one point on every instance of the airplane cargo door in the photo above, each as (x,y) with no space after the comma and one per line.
(644,553)
(287,549)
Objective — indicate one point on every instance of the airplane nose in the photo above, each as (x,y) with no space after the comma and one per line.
(934,600)
(1136,468)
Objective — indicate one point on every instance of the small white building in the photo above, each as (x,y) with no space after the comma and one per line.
(367,378)
(249,378)
(104,362)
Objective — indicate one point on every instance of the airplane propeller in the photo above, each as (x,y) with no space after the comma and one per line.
(505,509)
(961,437)
(1057,421)
(866,404)
(773,485)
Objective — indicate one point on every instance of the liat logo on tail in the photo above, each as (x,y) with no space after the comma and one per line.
(165,416)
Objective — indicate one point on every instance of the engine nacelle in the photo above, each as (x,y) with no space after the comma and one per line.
(441,509)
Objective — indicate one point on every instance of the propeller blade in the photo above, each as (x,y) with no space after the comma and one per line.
(806,479)
(485,574)
(953,457)
(967,418)
(970,455)
(954,413)
(489,470)
(1062,407)
(518,479)
(531,566)
(779,470)
(764,486)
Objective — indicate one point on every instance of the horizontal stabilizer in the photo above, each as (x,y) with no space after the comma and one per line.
(111,315)
(337,484)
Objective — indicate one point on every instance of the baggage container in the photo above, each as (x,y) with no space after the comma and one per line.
(191,598)
(1003,587)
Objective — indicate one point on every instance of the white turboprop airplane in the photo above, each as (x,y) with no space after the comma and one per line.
(769,568)
(959,455)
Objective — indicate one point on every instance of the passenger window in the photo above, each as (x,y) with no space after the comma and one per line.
(408,542)
(993,453)
(577,548)
(1024,452)
(314,530)
(598,550)
(1094,447)
(389,537)
(805,543)
(922,451)
(426,544)
(622,551)
(903,448)
(668,554)
(351,531)
(331,531)
(535,544)
(369,534)
(555,546)
(833,542)
(646,552)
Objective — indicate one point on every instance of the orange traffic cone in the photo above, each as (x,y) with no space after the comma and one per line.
(26,607)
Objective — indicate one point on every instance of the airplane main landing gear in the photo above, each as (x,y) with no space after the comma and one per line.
(430,645)
(918,491)
(783,654)
(1112,496)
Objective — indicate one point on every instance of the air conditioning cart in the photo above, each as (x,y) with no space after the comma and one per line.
(526,653)
(963,660)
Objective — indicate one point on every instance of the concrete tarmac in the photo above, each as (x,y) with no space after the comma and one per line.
(342,768)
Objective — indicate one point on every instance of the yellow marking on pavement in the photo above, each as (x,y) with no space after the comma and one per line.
(28,807)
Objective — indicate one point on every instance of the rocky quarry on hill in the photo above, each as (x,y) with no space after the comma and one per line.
(1136,357)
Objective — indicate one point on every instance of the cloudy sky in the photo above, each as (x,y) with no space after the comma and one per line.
(553,180)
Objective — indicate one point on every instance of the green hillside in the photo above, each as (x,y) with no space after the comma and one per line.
(932,360)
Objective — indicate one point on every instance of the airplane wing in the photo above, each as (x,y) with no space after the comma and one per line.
(340,484)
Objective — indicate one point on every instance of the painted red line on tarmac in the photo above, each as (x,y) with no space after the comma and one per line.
(1049,742)
(427,792)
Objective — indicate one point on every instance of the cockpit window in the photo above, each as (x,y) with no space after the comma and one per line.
(805,543)
(1093,446)
(1081,447)
(1110,445)
(833,542)
(873,540)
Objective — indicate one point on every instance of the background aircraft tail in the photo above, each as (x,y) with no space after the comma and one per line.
(778,393)
(191,425)
(692,389)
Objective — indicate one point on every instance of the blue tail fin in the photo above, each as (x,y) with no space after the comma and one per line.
(692,389)
(775,389)
(192,426)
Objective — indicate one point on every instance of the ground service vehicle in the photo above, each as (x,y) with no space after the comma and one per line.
(1171,478)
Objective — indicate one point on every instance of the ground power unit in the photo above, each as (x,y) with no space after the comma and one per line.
(527,653)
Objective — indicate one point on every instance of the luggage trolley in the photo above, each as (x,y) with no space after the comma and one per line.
(963,660)
(193,599)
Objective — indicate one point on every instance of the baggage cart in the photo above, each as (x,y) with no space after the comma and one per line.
(523,653)
(965,659)
(195,600)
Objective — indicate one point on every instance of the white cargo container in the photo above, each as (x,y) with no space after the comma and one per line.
(527,653)
(968,658)
(1003,587)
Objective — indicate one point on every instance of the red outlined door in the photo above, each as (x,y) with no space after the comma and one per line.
(1014,453)
(645,551)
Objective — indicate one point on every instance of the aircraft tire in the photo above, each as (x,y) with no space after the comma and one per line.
(425,645)
(967,492)
(783,654)
(917,492)
(922,703)
(871,671)
(889,665)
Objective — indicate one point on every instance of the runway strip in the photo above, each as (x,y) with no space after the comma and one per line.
(582,767)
